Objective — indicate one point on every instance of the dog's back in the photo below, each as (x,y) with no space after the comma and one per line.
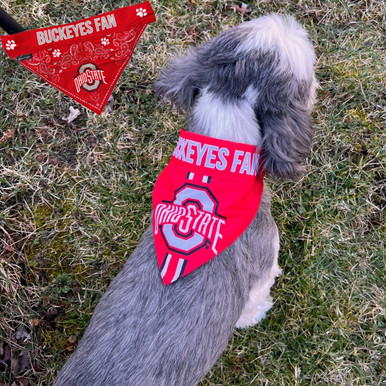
(145,333)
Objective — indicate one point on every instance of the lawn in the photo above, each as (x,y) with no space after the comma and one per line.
(75,198)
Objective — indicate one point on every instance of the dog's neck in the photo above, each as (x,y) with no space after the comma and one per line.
(232,121)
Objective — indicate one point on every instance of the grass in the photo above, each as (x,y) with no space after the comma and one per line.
(75,198)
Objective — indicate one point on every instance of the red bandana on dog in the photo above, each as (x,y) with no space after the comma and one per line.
(203,201)
(83,59)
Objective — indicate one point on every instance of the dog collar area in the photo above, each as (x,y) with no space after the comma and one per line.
(203,201)
(212,156)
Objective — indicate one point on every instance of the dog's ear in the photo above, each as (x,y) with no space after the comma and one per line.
(180,82)
(183,78)
(286,93)
(284,118)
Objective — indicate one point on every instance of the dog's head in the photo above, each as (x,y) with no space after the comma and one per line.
(255,84)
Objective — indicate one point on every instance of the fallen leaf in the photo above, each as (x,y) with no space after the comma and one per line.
(6,354)
(53,160)
(72,339)
(14,364)
(36,366)
(74,113)
(192,31)
(9,248)
(7,135)
(245,8)
(24,381)
(40,157)
(44,133)
(35,322)
(191,4)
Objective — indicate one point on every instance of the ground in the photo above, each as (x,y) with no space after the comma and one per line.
(75,198)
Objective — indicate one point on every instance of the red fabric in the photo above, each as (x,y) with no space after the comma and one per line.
(83,59)
(203,201)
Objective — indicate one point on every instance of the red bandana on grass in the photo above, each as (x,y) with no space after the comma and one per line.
(84,59)
(203,201)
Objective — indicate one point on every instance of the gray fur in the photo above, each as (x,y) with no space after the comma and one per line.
(281,103)
(145,333)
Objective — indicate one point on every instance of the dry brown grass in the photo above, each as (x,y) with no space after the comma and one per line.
(75,198)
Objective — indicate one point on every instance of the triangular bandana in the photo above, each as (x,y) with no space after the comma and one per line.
(84,59)
(203,201)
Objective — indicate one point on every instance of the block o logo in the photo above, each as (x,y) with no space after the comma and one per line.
(197,228)
(90,77)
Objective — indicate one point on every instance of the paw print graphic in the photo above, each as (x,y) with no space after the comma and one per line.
(10,45)
(141,12)
(105,41)
(56,53)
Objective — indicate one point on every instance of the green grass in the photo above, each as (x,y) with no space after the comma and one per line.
(75,198)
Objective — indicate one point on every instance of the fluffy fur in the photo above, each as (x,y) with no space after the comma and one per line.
(254,84)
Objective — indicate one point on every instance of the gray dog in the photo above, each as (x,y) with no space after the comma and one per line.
(253,84)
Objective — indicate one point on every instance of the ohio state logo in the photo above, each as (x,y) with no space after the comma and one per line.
(190,222)
(90,77)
